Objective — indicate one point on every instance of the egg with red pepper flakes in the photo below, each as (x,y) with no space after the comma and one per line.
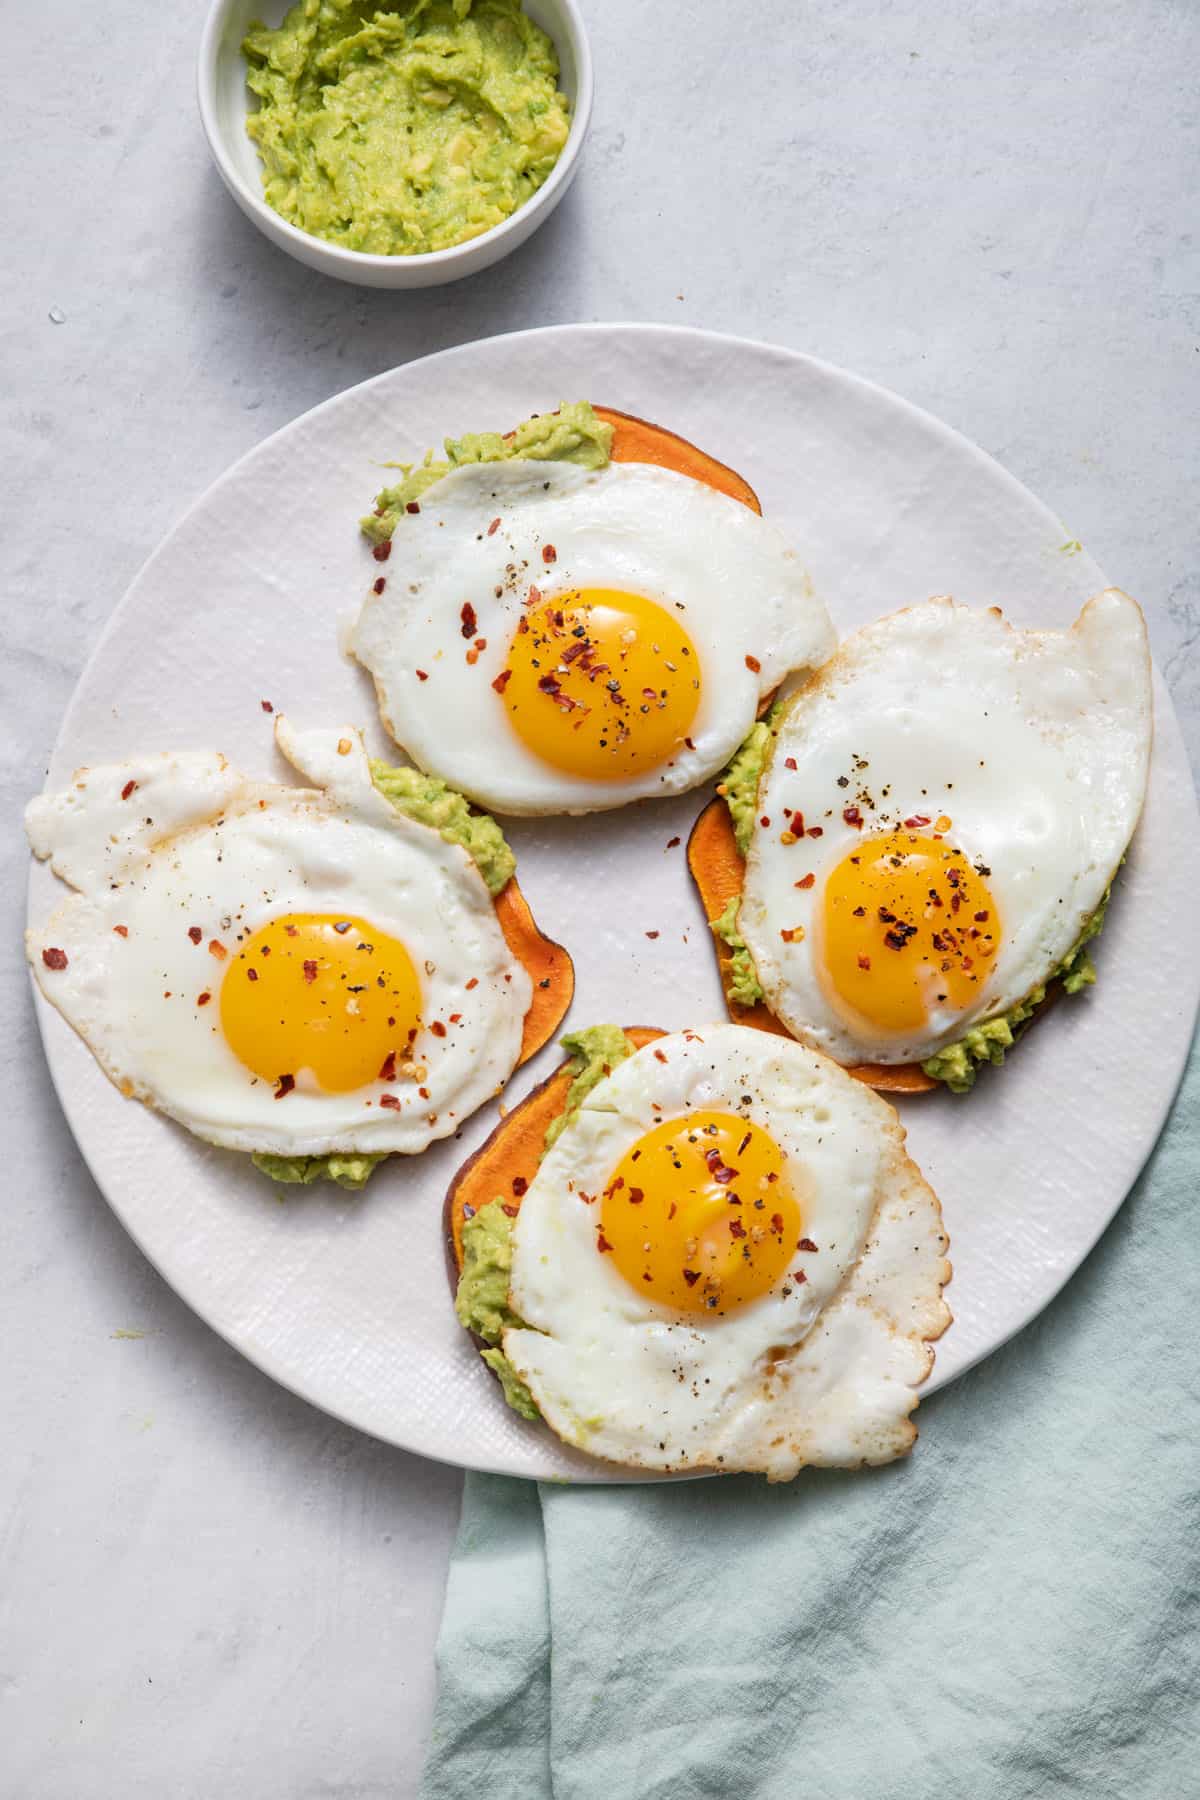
(302,972)
(941,815)
(553,639)
(727,1261)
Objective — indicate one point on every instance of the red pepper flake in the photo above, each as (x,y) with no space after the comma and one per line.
(549,553)
(797,818)
(531,599)
(805,881)
(216,948)
(284,1086)
(636,1196)
(388,1071)
(981,918)
(765,822)
(853,817)
(266,706)
(421,675)
(424,1093)
(792,934)
(54,959)
(470,624)
(437,1028)
(251,974)
(473,983)
(815,831)
(916,822)
(719,1170)
(672,843)
(777,1223)
(736,1228)
(391,1101)
(511,1211)
(381,552)
(456,1018)
(128,789)
(519,1185)
(480,643)
(204,998)
(121,930)
(806,1244)
(548,684)
(602,1242)
(652,934)
(411,507)
(378,585)
(691,1276)
(864,962)
(799,1277)
(789,762)
(195,933)
(753,664)
(502,680)
(493,528)
(660,1056)
(292,930)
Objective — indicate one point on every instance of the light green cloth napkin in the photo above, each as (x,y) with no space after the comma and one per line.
(1014,1611)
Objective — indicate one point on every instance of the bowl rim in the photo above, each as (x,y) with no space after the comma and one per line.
(289,235)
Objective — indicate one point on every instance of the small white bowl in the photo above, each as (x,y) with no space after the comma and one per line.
(225,102)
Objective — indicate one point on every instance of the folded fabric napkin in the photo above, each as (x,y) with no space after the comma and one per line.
(1013,1611)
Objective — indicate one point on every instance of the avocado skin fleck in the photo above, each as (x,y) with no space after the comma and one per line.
(741,984)
(572,434)
(959,1063)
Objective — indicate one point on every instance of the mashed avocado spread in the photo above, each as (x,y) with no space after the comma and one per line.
(398,127)
(429,802)
(742,983)
(739,785)
(572,434)
(958,1064)
(481,1300)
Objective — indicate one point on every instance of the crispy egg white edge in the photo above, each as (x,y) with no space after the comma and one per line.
(99,842)
(842,1393)
(1104,654)
(629,505)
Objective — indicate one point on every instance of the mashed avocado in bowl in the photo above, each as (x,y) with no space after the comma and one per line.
(405,127)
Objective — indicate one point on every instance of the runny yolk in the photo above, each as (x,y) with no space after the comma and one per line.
(321,992)
(908,927)
(699,1213)
(601,684)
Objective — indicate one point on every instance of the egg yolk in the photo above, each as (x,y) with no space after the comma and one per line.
(699,1214)
(321,992)
(909,927)
(601,684)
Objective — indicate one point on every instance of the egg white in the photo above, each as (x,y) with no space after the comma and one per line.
(1035,745)
(822,1372)
(163,843)
(728,576)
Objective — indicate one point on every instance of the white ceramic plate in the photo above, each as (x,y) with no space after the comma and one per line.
(344,1299)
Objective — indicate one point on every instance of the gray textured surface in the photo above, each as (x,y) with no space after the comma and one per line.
(204,1585)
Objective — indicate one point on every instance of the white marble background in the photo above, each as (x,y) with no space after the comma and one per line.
(205,1586)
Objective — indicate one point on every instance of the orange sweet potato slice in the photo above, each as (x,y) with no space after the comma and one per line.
(550,969)
(636,440)
(718,871)
(507,1162)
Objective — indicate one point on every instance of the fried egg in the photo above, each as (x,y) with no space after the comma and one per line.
(727,1261)
(296,970)
(553,639)
(944,807)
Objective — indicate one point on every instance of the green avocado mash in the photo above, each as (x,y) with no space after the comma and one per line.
(595,1053)
(739,785)
(572,434)
(743,985)
(348,1168)
(428,801)
(481,1300)
(958,1064)
(403,126)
